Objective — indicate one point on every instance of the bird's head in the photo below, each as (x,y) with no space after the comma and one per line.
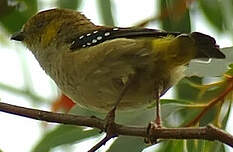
(50,26)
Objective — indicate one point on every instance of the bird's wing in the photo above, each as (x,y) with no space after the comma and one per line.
(98,36)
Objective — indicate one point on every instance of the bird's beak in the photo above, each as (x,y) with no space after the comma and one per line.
(18,36)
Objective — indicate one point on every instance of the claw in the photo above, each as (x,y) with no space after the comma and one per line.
(157,123)
(150,139)
(110,121)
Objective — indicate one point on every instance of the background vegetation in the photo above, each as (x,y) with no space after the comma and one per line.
(191,97)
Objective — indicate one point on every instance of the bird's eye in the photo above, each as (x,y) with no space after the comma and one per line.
(40,24)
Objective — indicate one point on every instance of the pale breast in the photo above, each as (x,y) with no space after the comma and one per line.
(95,77)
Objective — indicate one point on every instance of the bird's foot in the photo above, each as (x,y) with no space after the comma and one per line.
(153,125)
(109,126)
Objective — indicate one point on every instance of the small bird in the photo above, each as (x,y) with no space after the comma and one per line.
(102,67)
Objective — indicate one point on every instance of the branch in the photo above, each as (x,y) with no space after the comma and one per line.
(208,133)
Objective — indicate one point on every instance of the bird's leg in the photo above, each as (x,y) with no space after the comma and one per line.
(158,120)
(110,117)
(157,123)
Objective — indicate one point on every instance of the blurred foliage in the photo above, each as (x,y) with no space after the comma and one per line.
(105,9)
(174,15)
(134,144)
(63,134)
(14,13)
(192,97)
(214,13)
(74,4)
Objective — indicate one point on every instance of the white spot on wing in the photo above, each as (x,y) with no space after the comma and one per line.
(81,37)
(72,42)
(99,37)
(107,34)
(94,41)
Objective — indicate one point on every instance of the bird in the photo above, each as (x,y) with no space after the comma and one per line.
(107,68)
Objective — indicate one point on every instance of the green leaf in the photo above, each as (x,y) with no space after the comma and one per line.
(14,16)
(74,4)
(172,20)
(63,134)
(140,117)
(212,9)
(126,143)
(231,66)
(179,112)
(230,72)
(209,116)
(170,101)
(226,117)
(176,101)
(213,146)
(186,92)
(176,107)
(176,112)
(204,146)
(194,145)
(186,113)
(175,115)
(190,146)
(105,8)
(172,146)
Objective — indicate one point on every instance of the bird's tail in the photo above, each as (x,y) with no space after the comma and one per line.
(207,47)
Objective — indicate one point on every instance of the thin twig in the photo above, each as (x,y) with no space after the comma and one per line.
(102,142)
(209,133)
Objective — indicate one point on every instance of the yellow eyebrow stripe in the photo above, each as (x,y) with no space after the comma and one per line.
(49,32)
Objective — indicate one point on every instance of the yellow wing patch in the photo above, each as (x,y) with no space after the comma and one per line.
(174,50)
(162,47)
